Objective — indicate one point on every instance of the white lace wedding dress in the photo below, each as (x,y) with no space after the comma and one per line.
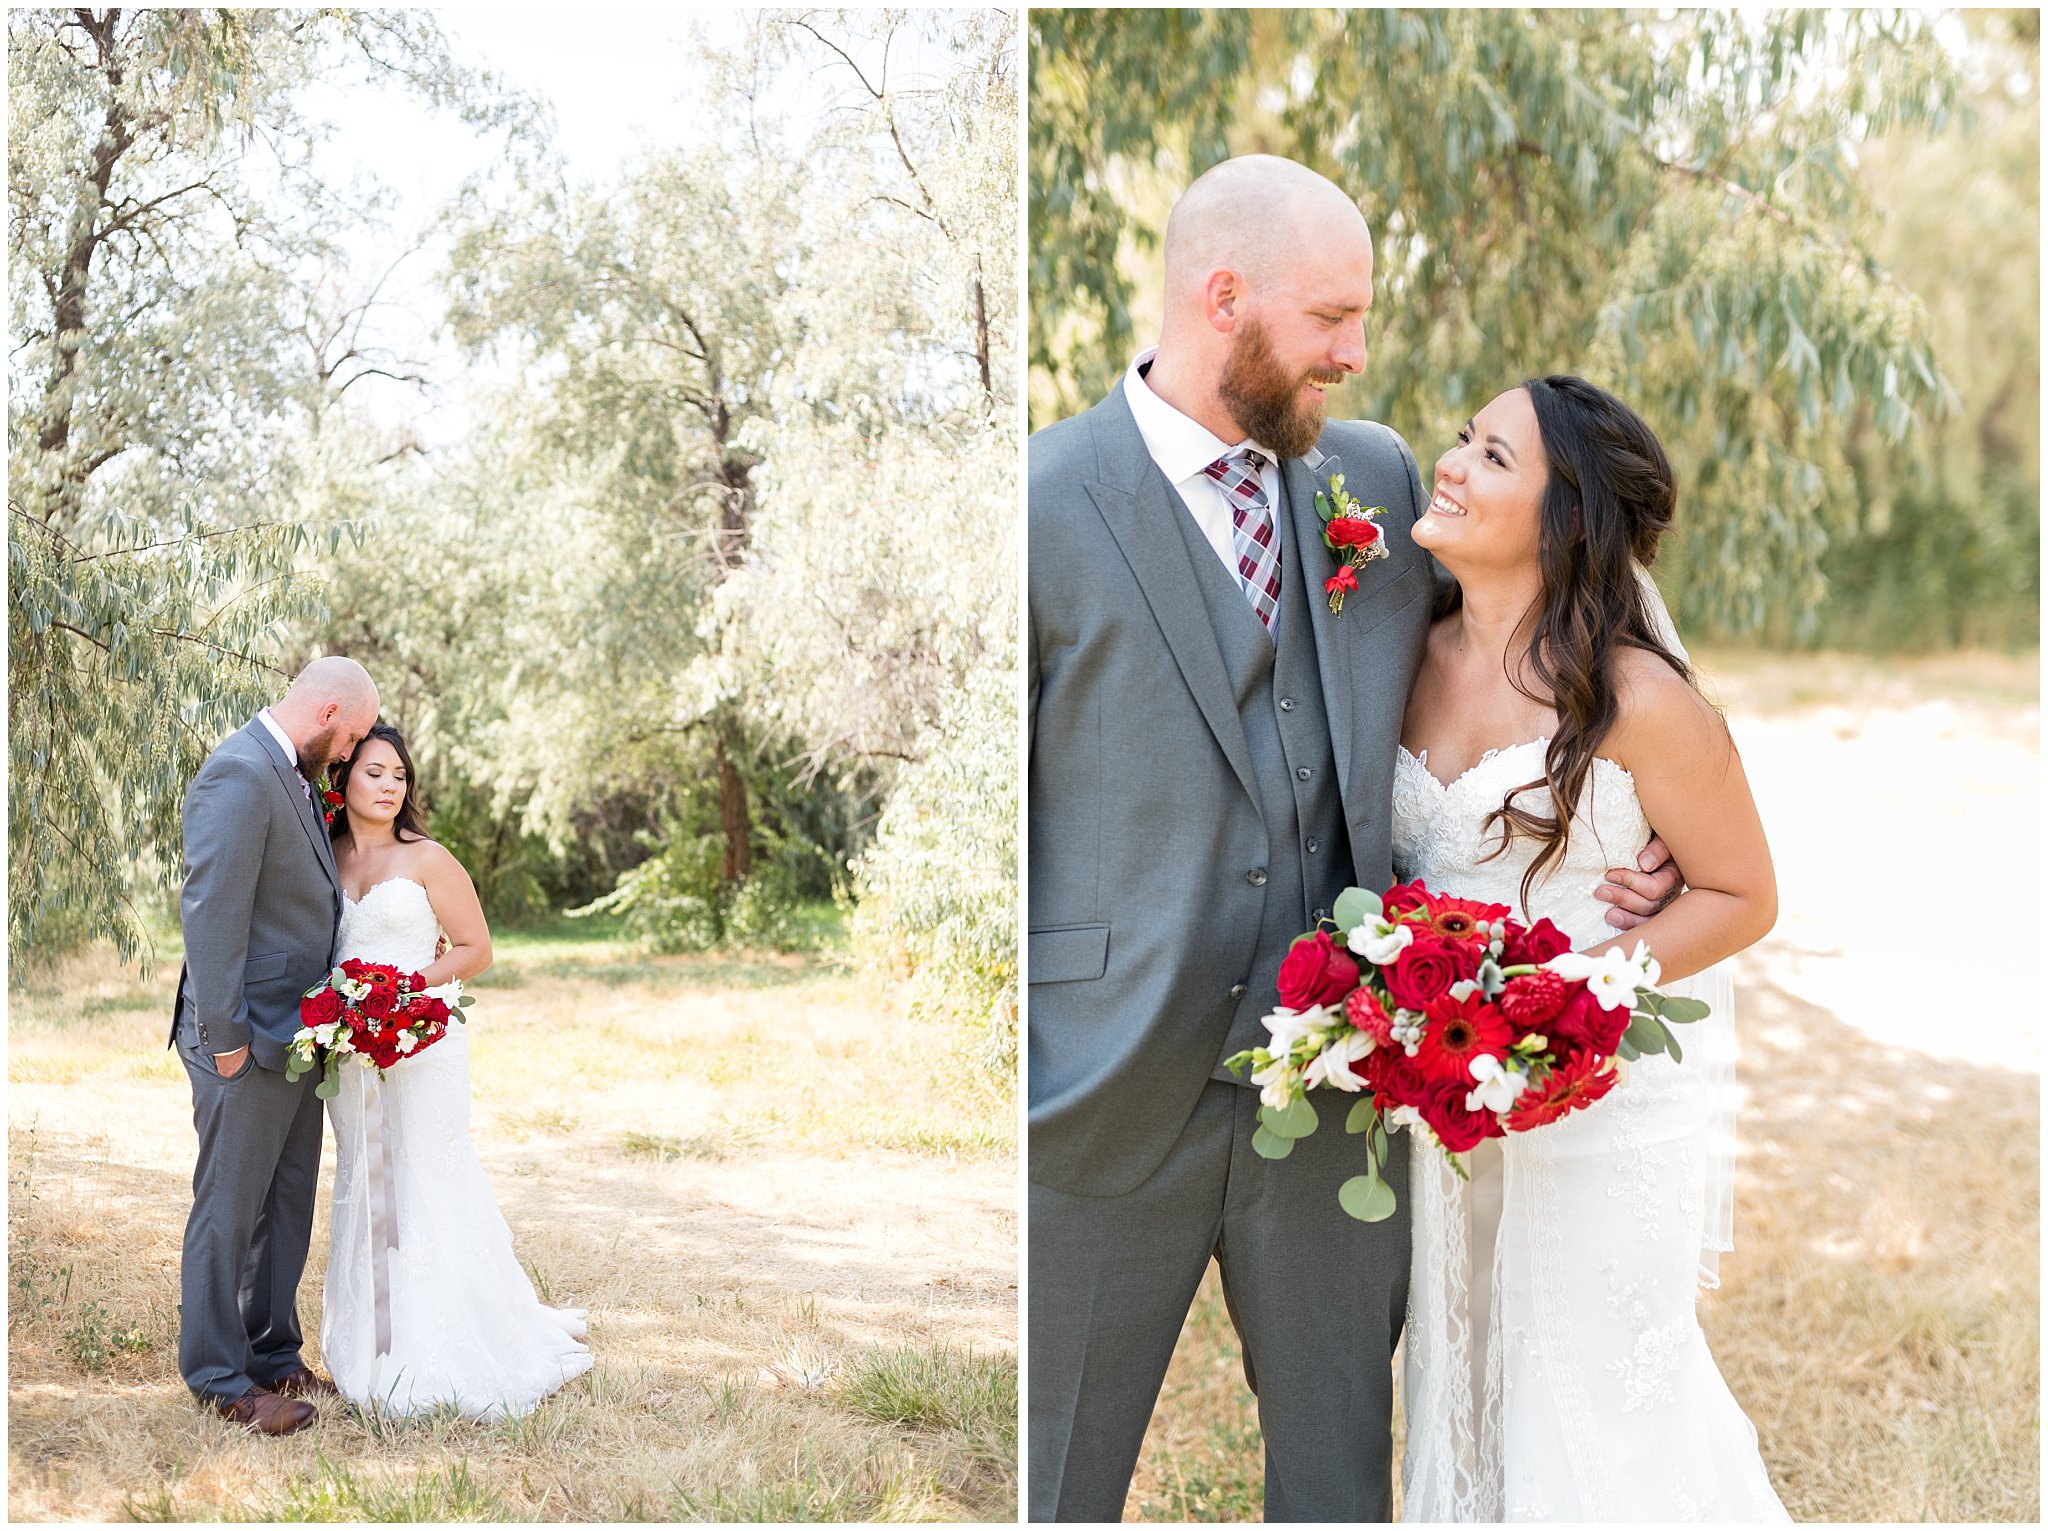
(1554,1368)
(465,1326)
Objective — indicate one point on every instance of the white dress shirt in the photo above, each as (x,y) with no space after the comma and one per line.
(291,750)
(1183,447)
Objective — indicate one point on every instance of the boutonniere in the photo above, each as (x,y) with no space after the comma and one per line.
(1352,533)
(330,800)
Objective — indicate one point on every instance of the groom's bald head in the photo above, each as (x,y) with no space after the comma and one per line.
(1268,278)
(1258,215)
(327,710)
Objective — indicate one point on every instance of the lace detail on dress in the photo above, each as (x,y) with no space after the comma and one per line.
(466,1328)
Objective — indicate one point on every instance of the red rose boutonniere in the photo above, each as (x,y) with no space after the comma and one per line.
(330,800)
(1352,532)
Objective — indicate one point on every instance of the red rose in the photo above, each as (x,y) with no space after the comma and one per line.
(1456,1127)
(1351,532)
(379,1002)
(1538,944)
(1427,967)
(1393,1077)
(320,1007)
(1404,896)
(1364,1011)
(1316,972)
(1345,579)
(1534,998)
(1583,1025)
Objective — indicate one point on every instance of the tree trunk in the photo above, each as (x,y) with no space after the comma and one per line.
(981,336)
(733,817)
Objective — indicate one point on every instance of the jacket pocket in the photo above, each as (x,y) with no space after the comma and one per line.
(1390,602)
(1069,953)
(269,965)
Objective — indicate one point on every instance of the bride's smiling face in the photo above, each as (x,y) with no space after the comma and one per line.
(1486,506)
(376,782)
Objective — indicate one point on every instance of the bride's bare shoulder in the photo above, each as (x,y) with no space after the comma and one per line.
(1657,709)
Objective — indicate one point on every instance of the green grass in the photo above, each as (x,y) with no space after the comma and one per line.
(934,1387)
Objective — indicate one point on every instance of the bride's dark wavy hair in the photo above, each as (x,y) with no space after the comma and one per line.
(411,822)
(1607,505)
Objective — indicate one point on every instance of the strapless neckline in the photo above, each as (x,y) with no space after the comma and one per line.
(371,891)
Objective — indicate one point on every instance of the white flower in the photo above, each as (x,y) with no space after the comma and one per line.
(1290,1026)
(1332,1066)
(1498,1085)
(1403,1116)
(1610,978)
(1275,1082)
(406,1042)
(324,1035)
(1379,942)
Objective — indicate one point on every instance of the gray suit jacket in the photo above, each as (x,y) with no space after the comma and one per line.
(1143,813)
(261,901)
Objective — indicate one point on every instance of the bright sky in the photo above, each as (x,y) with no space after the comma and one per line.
(620,81)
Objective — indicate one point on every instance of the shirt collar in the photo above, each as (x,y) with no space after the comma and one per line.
(1181,445)
(284,740)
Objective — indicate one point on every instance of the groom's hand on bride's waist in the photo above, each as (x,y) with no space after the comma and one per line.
(1639,891)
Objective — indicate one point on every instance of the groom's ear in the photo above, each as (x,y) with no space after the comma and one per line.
(1223,292)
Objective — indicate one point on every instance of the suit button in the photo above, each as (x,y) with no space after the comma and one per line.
(1303,774)
(1238,991)
(1287,704)
(1256,877)
(1313,845)
(1320,916)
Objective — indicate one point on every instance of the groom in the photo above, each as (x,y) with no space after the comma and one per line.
(260,907)
(1212,758)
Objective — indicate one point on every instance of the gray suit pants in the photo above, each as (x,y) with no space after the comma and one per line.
(251,1225)
(1317,1299)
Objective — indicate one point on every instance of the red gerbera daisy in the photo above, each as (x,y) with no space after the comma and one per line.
(1572,1084)
(1459,1030)
(1460,918)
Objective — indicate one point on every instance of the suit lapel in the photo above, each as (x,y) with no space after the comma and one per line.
(288,777)
(1139,512)
(1303,476)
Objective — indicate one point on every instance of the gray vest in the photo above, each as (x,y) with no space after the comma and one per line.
(1279,696)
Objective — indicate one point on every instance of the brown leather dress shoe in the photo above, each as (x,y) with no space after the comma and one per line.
(304,1383)
(266,1413)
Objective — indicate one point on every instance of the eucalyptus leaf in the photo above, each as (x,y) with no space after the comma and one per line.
(1296,1119)
(1362,1115)
(1354,907)
(1270,1145)
(1367,1198)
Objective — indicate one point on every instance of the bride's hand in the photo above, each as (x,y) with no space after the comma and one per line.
(1640,891)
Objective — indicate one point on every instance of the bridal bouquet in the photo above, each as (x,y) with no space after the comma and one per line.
(1449,1018)
(368,1010)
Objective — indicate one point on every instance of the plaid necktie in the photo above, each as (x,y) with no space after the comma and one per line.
(1258,550)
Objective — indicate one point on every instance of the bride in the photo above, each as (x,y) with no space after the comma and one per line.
(426,1305)
(1555,1369)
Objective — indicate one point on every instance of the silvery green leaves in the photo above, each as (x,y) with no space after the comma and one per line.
(1280,1128)
(1649,1030)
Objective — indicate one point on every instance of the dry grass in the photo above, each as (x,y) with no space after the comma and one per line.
(1880,1317)
(800,1263)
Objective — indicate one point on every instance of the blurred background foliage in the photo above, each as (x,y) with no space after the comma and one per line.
(704,622)
(1806,244)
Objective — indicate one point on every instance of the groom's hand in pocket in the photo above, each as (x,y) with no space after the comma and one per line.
(227,1065)
(1639,891)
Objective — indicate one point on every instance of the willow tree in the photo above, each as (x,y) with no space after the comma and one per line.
(163,220)
(1662,201)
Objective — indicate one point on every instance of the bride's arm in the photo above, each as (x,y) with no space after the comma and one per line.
(455,903)
(1691,783)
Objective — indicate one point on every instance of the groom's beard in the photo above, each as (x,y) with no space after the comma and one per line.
(1263,398)
(317,754)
